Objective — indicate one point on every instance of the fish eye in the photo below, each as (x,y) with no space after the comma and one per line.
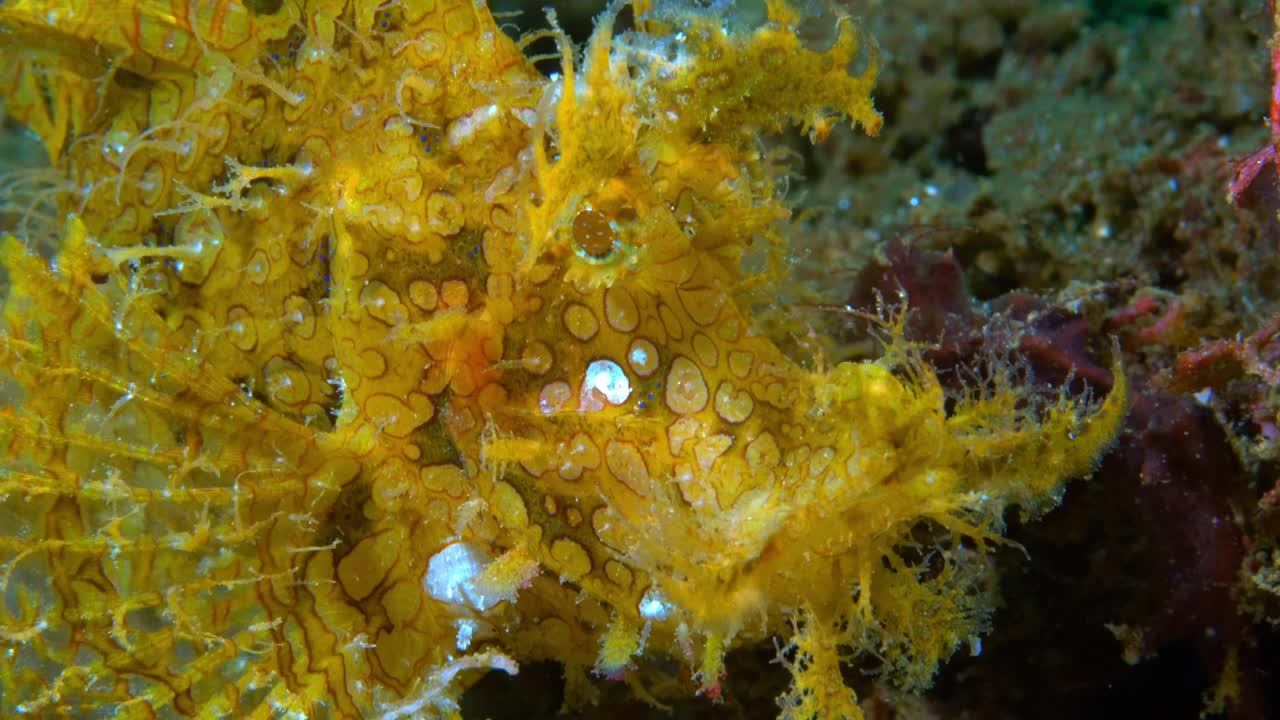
(593,235)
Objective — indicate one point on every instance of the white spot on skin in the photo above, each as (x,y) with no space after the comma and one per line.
(605,380)
(464,127)
(526,116)
(654,606)
(643,357)
(450,572)
(466,630)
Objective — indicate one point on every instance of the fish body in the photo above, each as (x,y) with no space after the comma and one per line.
(371,356)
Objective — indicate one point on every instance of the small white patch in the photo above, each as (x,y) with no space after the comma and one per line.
(654,606)
(466,630)
(450,572)
(605,379)
(463,128)
(526,116)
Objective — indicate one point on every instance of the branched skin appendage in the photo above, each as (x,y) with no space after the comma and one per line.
(372,358)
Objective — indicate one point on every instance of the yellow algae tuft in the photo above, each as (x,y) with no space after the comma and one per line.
(372,358)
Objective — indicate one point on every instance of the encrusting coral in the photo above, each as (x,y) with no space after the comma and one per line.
(371,357)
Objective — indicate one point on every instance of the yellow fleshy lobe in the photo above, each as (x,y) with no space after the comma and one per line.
(372,358)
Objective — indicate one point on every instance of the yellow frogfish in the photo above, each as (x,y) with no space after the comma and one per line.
(370,357)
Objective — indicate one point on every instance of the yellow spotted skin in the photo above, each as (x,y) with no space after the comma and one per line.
(372,357)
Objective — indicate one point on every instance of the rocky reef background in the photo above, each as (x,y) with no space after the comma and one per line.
(1049,188)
